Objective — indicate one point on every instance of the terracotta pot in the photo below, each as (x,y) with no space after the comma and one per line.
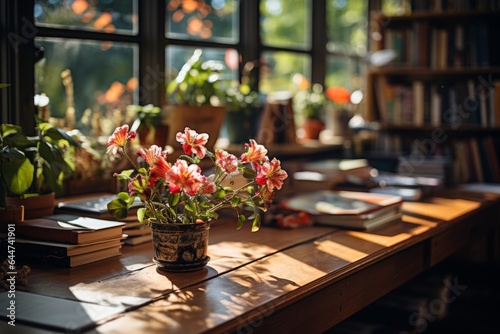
(36,206)
(202,119)
(11,215)
(312,128)
(180,247)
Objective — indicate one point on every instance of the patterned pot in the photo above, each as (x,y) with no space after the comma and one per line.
(180,247)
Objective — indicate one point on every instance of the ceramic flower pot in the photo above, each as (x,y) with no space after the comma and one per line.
(180,247)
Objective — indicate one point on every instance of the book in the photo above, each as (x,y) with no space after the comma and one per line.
(54,313)
(95,206)
(62,249)
(69,261)
(357,210)
(141,239)
(71,229)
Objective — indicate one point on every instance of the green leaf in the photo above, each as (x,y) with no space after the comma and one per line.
(248,173)
(173,199)
(190,206)
(241,220)
(18,175)
(256,223)
(235,201)
(141,215)
(118,208)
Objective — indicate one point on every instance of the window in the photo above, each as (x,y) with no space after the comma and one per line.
(120,52)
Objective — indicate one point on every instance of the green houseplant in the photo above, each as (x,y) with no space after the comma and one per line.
(310,104)
(244,108)
(33,166)
(180,202)
(195,98)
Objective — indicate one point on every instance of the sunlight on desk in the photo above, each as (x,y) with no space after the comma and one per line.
(341,251)
(441,208)
(421,226)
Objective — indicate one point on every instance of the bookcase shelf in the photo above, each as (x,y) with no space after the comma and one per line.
(443,89)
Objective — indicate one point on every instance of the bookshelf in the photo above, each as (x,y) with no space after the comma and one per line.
(440,97)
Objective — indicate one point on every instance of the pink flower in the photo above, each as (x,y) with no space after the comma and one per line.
(206,186)
(226,161)
(271,175)
(158,170)
(185,177)
(119,138)
(193,142)
(255,153)
(150,154)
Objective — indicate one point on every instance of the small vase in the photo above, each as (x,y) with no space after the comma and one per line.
(312,128)
(180,247)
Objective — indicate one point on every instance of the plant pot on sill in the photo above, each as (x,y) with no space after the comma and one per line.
(205,119)
(180,247)
(35,206)
(242,125)
(13,214)
(312,128)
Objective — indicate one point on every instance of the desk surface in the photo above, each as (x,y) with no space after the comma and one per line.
(287,280)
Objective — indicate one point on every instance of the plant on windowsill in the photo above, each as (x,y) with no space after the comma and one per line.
(179,202)
(310,104)
(339,99)
(244,108)
(194,97)
(148,124)
(33,168)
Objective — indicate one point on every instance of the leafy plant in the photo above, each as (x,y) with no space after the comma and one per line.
(310,102)
(198,82)
(33,165)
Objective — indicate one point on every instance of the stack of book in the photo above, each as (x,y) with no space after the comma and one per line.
(95,206)
(348,209)
(327,174)
(67,240)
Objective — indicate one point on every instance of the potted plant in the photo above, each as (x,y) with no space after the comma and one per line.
(310,104)
(180,202)
(33,168)
(150,129)
(244,108)
(194,97)
(339,97)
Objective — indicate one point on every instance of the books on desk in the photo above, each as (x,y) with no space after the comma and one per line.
(67,240)
(349,209)
(95,206)
(325,174)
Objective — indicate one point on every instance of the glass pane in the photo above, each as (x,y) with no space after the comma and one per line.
(345,72)
(215,20)
(347,26)
(278,70)
(100,15)
(176,56)
(101,89)
(286,23)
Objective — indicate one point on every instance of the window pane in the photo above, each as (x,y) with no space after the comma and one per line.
(104,81)
(286,23)
(100,15)
(215,20)
(345,72)
(347,26)
(279,68)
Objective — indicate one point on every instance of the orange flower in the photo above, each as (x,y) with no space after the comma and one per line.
(119,138)
(338,94)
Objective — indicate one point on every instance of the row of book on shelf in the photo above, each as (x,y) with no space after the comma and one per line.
(426,45)
(467,102)
(461,160)
(80,231)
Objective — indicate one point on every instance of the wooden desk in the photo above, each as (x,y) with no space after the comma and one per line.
(274,280)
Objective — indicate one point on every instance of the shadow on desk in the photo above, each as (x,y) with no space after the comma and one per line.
(453,297)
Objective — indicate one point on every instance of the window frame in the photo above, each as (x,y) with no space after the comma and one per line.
(17,67)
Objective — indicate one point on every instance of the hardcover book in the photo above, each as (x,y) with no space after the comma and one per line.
(70,229)
(357,210)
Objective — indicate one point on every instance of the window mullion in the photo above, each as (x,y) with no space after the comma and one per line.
(319,38)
